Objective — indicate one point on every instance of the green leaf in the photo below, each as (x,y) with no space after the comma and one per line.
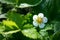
(56,36)
(1,37)
(0,9)
(43,7)
(9,24)
(58,5)
(29,3)
(10,32)
(43,33)
(32,2)
(48,27)
(27,26)
(28,17)
(16,17)
(57,26)
(19,2)
(9,1)
(2,28)
(31,33)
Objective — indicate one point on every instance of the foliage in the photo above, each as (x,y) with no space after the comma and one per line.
(18,24)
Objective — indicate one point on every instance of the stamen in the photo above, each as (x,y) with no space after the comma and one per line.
(39,20)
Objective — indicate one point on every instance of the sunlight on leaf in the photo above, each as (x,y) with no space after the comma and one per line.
(31,33)
(27,26)
(9,23)
(2,28)
(11,32)
(16,17)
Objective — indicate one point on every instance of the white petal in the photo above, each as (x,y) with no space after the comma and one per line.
(45,20)
(35,23)
(41,25)
(41,15)
(35,17)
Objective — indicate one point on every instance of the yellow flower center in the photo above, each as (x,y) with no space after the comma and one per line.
(39,20)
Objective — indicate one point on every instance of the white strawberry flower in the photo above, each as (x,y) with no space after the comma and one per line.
(39,20)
